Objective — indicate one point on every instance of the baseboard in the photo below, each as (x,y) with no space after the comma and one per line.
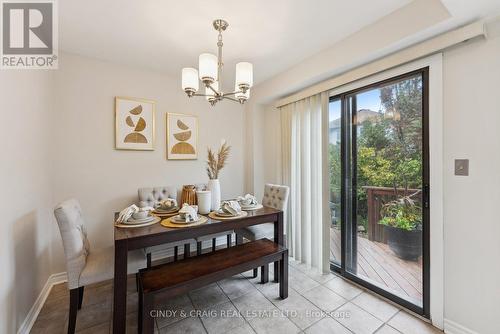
(54,279)
(30,319)
(451,327)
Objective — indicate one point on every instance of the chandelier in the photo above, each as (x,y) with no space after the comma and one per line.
(210,74)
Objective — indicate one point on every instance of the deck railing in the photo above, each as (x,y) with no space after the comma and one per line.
(375,197)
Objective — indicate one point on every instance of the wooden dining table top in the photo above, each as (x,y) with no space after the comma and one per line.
(210,225)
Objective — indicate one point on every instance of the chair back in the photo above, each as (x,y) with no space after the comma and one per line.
(276,196)
(74,237)
(151,196)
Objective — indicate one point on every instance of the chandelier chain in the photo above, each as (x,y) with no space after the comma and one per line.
(219,60)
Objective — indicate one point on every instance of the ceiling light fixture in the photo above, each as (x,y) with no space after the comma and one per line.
(210,73)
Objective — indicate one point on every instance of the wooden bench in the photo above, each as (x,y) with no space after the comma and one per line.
(179,277)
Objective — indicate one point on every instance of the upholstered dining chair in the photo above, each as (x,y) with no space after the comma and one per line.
(275,196)
(83,265)
(150,197)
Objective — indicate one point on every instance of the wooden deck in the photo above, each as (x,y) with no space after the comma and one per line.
(379,264)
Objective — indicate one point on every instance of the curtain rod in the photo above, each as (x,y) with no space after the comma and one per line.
(422,49)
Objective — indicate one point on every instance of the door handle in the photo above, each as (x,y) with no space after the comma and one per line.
(426,196)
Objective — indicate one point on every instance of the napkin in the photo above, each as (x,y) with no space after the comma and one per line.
(167,203)
(126,213)
(232,207)
(188,213)
(247,200)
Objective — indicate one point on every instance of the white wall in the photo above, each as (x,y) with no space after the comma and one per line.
(471,72)
(472,224)
(104,179)
(267,167)
(58,142)
(26,196)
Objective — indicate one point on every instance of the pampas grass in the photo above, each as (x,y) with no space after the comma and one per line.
(216,162)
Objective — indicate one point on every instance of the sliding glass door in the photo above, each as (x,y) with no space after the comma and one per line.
(378,158)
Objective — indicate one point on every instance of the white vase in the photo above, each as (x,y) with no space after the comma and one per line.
(214,187)
(204,201)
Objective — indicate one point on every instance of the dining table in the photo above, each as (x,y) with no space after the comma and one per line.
(128,239)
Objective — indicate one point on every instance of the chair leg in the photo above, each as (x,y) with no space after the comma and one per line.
(239,239)
(176,253)
(229,240)
(284,275)
(214,244)
(198,248)
(80,296)
(73,309)
(137,282)
(147,319)
(148,260)
(254,273)
(264,273)
(187,250)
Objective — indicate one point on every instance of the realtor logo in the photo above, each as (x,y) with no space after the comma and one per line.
(29,39)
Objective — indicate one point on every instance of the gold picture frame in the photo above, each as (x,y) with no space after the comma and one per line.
(134,124)
(182,136)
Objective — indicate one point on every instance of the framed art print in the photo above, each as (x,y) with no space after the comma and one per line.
(134,124)
(182,136)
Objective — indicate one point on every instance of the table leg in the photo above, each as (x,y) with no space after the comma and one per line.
(279,238)
(148,321)
(264,274)
(120,287)
(276,272)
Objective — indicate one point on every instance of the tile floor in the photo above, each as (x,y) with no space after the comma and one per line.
(316,304)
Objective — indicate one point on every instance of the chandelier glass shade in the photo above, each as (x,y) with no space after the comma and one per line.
(209,72)
(208,67)
(190,79)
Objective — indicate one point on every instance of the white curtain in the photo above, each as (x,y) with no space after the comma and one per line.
(304,158)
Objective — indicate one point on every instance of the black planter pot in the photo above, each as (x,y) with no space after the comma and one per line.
(406,244)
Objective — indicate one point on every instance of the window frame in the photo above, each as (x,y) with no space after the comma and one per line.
(346,164)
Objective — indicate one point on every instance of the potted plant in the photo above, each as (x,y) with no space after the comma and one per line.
(215,162)
(402,219)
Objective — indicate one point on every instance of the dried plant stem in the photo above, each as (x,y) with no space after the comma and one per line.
(216,162)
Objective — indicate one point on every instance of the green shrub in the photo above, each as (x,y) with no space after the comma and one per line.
(402,213)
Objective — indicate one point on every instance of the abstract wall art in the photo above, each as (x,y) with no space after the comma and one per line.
(134,124)
(182,136)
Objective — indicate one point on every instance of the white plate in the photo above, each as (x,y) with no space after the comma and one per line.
(244,205)
(148,217)
(178,220)
(250,208)
(154,221)
(167,211)
(225,214)
(132,221)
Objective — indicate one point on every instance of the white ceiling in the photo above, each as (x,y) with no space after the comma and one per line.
(272,34)
(169,35)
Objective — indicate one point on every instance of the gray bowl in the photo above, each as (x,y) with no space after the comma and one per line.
(140,215)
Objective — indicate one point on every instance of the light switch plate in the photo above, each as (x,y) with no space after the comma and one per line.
(462,167)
